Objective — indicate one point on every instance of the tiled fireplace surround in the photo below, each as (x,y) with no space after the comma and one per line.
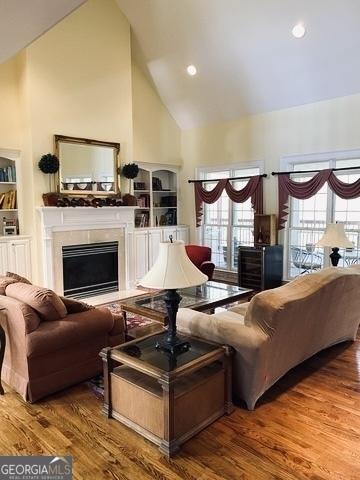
(85,225)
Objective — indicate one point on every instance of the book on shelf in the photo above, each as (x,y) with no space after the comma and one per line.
(143,200)
(8,200)
(8,174)
(142,219)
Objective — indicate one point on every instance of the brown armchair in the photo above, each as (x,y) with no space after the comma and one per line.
(201,258)
(44,355)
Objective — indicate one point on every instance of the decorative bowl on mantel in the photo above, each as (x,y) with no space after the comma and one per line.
(50,199)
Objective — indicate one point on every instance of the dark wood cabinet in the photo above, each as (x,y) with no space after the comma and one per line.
(260,268)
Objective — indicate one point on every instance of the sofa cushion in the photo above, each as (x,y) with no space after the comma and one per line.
(75,306)
(75,329)
(4,282)
(18,278)
(44,301)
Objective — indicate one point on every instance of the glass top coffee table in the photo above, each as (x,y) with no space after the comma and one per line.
(203,298)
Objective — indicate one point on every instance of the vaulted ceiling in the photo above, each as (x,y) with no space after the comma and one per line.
(22,21)
(247,60)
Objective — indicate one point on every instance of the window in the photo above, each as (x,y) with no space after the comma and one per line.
(227,224)
(308,219)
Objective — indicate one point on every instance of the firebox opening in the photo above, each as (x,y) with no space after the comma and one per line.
(90,269)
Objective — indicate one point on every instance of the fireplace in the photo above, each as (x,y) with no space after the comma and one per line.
(90,269)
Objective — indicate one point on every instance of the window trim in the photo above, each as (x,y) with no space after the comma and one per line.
(200,173)
(289,160)
(287,163)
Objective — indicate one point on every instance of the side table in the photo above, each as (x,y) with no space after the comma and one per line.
(2,345)
(167,398)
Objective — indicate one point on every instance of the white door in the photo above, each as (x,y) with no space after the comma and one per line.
(141,254)
(4,259)
(19,257)
(154,242)
(182,233)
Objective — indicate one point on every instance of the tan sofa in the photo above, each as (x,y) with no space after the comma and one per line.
(48,351)
(280,328)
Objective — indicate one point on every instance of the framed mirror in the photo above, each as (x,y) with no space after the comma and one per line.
(87,166)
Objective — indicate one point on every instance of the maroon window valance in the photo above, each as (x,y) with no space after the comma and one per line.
(253,189)
(305,190)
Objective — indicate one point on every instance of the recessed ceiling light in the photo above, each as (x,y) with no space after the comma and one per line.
(191,70)
(298,31)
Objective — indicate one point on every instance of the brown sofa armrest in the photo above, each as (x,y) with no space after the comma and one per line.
(119,325)
(21,318)
(208,268)
(75,306)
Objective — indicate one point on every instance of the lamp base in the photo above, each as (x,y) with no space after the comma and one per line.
(174,346)
(172,343)
(335,256)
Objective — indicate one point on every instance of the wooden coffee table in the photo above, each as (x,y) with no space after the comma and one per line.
(204,298)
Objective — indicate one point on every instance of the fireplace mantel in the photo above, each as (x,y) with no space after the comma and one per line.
(85,219)
(70,218)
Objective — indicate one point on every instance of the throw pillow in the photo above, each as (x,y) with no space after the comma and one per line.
(44,301)
(75,306)
(4,282)
(18,278)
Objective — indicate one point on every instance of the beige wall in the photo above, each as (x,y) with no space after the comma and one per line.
(78,80)
(9,105)
(157,138)
(319,127)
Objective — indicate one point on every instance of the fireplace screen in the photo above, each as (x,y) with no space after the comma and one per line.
(90,269)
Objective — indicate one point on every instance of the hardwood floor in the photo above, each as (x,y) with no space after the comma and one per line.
(306,427)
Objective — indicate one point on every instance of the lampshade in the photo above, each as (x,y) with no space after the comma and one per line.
(334,236)
(173,269)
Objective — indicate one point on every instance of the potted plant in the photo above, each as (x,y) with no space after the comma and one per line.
(130,171)
(49,164)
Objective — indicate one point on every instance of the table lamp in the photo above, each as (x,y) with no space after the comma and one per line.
(172,270)
(335,235)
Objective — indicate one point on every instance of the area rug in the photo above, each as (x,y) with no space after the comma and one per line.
(132,320)
(96,385)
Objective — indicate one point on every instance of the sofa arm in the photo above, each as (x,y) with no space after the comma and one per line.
(241,308)
(208,269)
(117,334)
(251,346)
(220,328)
(22,317)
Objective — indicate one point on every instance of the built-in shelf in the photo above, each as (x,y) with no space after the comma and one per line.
(154,184)
(8,195)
